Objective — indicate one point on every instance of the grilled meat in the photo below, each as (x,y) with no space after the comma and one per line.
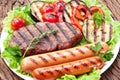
(66,37)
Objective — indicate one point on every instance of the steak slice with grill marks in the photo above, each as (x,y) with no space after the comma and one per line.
(67,36)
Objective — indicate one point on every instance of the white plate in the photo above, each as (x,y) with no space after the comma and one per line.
(106,66)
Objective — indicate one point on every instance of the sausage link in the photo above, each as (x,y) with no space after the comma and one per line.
(73,68)
(58,57)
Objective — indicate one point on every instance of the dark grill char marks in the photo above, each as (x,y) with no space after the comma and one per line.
(66,37)
(59,57)
(95,33)
(73,68)
(51,27)
(68,9)
(35,6)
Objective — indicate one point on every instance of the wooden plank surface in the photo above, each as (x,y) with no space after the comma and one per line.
(113,73)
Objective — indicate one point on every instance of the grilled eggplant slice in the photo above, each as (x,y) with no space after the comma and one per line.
(35,10)
(68,9)
(93,33)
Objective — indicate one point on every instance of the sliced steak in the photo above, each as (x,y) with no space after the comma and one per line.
(67,36)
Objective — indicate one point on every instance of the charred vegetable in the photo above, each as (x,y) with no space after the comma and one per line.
(48,12)
(75,12)
(93,33)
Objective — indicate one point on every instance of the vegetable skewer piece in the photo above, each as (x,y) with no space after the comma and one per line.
(53,58)
(73,68)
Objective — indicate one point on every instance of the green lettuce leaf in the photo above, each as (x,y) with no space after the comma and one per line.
(23,12)
(13,56)
(94,75)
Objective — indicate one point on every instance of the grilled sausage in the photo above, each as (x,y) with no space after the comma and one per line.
(53,58)
(73,68)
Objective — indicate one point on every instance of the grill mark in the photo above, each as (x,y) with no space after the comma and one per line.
(88,47)
(35,12)
(63,56)
(52,57)
(87,24)
(16,40)
(34,61)
(71,5)
(42,31)
(41,73)
(38,28)
(24,37)
(75,66)
(110,33)
(95,33)
(71,28)
(30,32)
(50,72)
(65,68)
(67,12)
(56,37)
(78,2)
(103,32)
(79,50)
(99,60)
(51,41)
(58,71)
(43,59)
(71,53)
(84,64)
(63,31)
(92,62)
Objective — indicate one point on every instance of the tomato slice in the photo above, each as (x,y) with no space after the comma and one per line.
(50,17)
(17,23)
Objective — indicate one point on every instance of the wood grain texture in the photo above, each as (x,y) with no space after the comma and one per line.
(113,73)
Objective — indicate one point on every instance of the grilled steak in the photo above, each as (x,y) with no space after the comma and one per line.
(66,37)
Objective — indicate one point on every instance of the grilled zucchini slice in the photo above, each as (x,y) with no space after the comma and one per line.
(35,9)
(93,33)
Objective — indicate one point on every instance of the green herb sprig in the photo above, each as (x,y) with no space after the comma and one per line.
(106,57)
(97,47)
(36,40)
(99,18)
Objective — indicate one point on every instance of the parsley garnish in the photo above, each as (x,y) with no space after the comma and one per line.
(99,18)
(97,47)
(106,57)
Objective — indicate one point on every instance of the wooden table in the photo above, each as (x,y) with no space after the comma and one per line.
(113,73)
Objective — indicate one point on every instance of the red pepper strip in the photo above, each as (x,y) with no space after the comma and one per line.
(47,7)
(74,20)
(95,9)
(60,16)
(50,17)
(79,10)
